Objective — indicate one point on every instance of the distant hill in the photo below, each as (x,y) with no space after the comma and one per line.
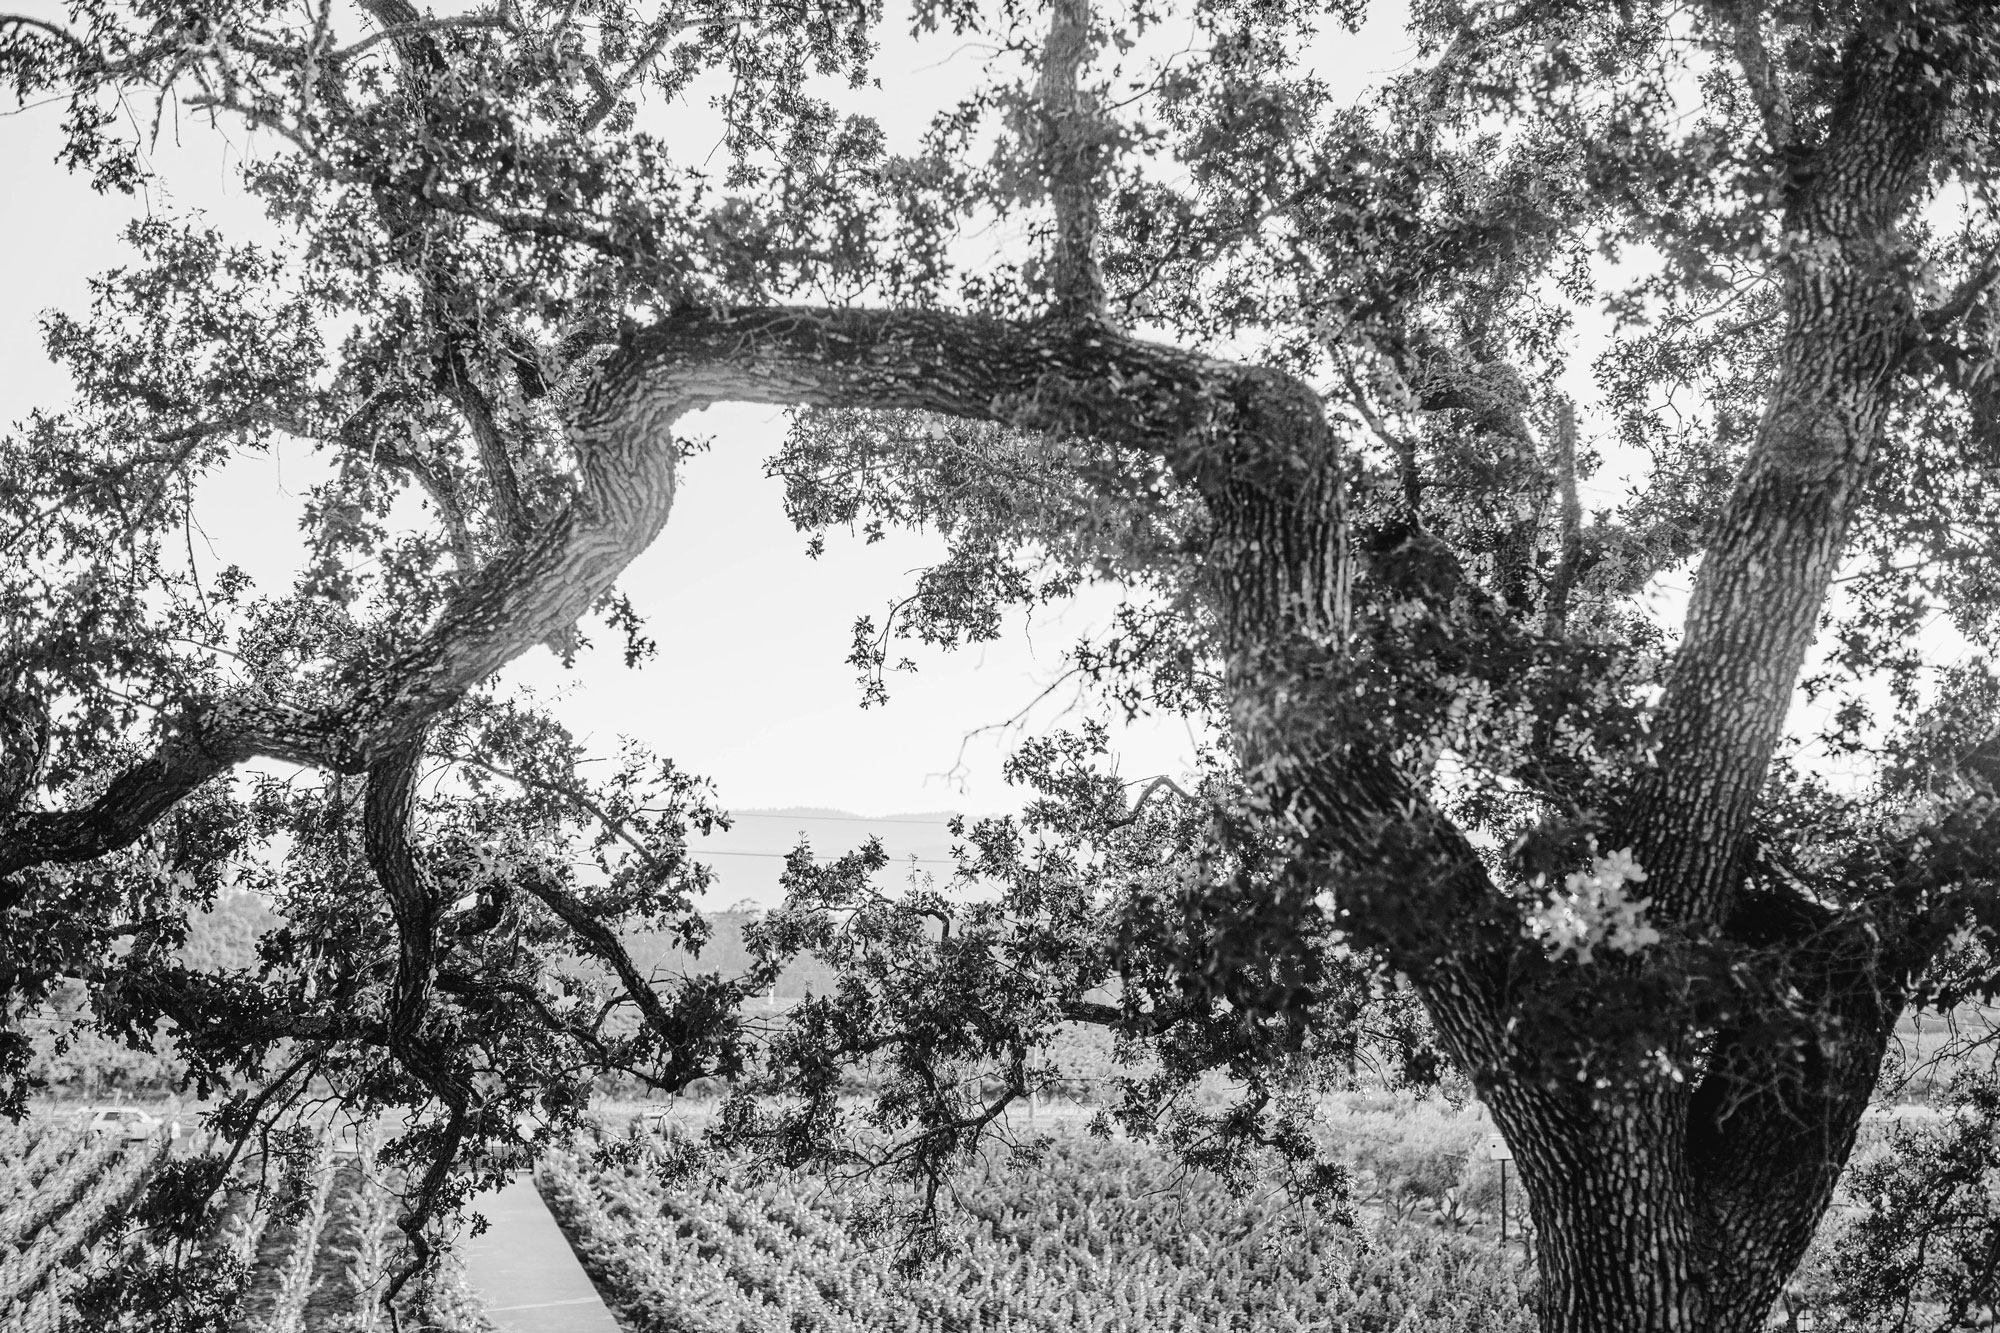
(226,938)
(89,1064)
(750,857)
(748,860)
(657,954)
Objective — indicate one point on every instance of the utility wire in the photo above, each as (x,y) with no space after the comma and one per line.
(780,856)
(843,819)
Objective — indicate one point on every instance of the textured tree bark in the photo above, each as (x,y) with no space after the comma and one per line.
(1071,164)
(1851,324)
(1668,1205)
(415,909)
(1615,1223)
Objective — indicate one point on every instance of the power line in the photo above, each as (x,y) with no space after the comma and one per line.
(843,819)
(782,856)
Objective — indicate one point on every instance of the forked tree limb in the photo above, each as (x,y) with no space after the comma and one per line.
(1772,556)
(601,942)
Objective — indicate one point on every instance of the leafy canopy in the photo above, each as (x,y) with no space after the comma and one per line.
(1323,381)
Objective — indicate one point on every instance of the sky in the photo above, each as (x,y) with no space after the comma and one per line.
(750,686)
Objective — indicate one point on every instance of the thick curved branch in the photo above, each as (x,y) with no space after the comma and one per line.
(1254,441)
(622,434)
(386,824)
(1218,423)
(209,743)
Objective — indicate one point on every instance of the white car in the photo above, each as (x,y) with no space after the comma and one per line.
(128,1122)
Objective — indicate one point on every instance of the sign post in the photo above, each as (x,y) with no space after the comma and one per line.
(1498,1151)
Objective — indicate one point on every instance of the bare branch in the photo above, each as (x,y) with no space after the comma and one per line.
(1962,299)
(603,943)
(211,743)
(1157,785)
(395,32)
(455,382)
(54,30)
(575,796)
(1088,382)
(1767,85)
(610,90)
(1569,557)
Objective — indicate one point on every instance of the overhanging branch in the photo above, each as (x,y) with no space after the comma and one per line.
(622,435)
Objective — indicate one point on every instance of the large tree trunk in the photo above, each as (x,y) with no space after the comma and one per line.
(1634,1234)
(1618,1235)
(1680,1114)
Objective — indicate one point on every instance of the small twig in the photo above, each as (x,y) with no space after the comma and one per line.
(43,25)
(608,91)
(1767,86)
(965,740)
(1161,783)
(1571,555)
(1956,306)
(501,20)
(616,827)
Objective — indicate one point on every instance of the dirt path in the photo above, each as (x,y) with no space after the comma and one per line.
(525,1271)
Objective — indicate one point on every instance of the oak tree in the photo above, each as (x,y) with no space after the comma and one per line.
(1305,372)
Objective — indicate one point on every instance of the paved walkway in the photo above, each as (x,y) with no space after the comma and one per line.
(525,1271)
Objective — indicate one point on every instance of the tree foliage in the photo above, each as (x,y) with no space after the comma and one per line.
(1303,373)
